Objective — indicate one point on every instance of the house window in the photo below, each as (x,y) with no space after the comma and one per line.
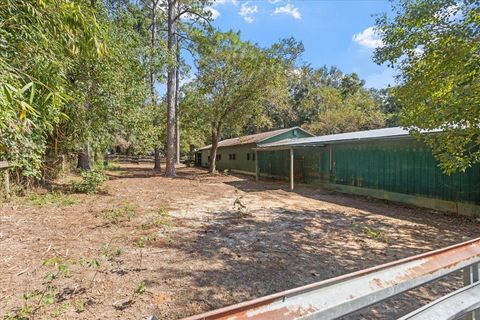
(208,158)
(253,156)
(233,156)
(248,156)
(229,156)
(218,157)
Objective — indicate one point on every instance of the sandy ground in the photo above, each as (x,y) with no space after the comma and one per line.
(175,247)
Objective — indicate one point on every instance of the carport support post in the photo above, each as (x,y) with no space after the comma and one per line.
(291,169)
(256,165)
(471,274)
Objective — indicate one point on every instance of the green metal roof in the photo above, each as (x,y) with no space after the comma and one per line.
(394,132)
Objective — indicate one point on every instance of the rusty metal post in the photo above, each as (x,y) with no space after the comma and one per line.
(471,275)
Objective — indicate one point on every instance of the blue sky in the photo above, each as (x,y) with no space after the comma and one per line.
(333,32)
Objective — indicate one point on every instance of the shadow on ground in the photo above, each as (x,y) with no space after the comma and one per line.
(270,251)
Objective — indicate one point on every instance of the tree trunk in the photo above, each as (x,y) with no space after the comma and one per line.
(84,159)
(153,40)
(177,115)
(213,152)
(157,167)
(153,92)
(171,84)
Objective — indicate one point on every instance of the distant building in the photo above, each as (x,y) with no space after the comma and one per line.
(238,154)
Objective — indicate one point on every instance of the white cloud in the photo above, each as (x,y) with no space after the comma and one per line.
(247,12)
(219,2)
(288,9)
(369,38)
(215,13)
(274,1)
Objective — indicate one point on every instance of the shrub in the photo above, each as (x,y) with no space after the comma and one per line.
(90,182)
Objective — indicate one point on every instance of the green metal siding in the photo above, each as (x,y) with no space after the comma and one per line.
(403,166)
(274,163)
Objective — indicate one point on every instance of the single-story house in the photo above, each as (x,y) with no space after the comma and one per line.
(384,163)
(238,154)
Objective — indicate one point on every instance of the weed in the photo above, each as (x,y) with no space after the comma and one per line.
(156,220)
(370,232)
(142,241)
(79,305)
(60,310)
(141,288)
(117,215)
(108,253)
(240,207)
(62,267)
(90,182)
(32,301)
(50,198)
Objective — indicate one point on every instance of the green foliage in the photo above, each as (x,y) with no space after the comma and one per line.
(90,182)
(346,113)
(155,220)
(231,83)
(141,288)
(144,240)
(39,42)
(50,198)
(117,215)
(64,60)
(370,232)
(435,46)
(79,305)
(159,220)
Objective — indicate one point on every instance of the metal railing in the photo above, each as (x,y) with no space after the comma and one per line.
(349,293)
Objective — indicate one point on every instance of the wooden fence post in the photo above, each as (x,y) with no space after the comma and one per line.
(4,165)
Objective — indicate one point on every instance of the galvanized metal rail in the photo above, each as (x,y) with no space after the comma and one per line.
(349,293)
(451,306)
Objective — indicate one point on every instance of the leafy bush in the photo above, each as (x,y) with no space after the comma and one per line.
(90,182)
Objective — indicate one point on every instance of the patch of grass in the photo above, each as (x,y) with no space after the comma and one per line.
(370,232)
(156,220)
(50,198)
(143,241)
(117,215)
(79,305)
(110,165)
(90,182)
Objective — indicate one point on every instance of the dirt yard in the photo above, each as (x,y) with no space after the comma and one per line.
(175,247)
